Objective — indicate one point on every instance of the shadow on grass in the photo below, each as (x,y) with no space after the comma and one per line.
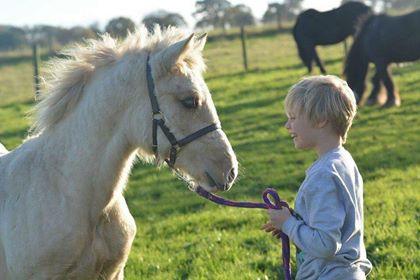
(378,253)
(231,109)
(243,74)
(20,134)
(399,158)
(409,67)
(235,108)
(331,61)
(18,106)
(272,270)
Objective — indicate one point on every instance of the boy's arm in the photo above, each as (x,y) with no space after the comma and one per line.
(321,237)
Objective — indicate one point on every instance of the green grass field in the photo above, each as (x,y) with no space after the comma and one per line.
(181,236)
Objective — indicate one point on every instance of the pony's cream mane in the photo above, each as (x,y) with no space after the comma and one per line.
(66,77)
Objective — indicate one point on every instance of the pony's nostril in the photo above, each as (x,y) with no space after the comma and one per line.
(232,175)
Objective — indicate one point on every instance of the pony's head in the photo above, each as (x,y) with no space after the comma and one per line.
(355,13)
(101,91)
(186,106)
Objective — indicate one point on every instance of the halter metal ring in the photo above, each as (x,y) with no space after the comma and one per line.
(157,115)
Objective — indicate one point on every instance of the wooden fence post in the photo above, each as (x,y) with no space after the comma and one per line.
(35,61)
(244,55)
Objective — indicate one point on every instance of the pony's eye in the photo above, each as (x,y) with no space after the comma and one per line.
(190,102)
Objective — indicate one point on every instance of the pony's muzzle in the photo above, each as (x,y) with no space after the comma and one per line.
(212,182)
(231,176)
(228,180)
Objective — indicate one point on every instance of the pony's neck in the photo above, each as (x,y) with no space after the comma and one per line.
(96,165)
(96,152)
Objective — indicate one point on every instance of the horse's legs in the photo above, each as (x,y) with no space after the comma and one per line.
(393,96)
(308,64)
(304,47)
(318,61)
(376,81)
(117,230)
(306,55)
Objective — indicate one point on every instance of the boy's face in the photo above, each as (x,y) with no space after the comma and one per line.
(303,133)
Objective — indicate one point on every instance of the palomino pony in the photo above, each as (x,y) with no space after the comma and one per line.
(62,212)
(382,40)
(315,28)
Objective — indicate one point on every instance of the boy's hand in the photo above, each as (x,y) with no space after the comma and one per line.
(268,227)
(277,218)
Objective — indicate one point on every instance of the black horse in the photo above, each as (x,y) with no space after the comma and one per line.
(382,40)
(314,28)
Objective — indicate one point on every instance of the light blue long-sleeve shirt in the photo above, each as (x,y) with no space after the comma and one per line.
(329,235)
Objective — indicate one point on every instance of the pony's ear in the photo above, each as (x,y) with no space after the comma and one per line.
(200,41)
(177,51)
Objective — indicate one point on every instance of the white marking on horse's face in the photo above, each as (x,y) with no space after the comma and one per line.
(187,106)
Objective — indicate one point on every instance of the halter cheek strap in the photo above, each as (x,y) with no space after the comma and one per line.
(159,121)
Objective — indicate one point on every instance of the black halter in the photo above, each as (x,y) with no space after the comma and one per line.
(158,120)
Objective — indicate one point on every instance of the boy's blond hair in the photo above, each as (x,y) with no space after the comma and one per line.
(323,98)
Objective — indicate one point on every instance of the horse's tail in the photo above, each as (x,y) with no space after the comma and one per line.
(356,65)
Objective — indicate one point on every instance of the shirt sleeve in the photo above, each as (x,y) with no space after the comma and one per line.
(321,235)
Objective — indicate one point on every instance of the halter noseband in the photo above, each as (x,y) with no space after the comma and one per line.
(158,120)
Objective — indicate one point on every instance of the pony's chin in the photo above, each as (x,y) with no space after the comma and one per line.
(194,185)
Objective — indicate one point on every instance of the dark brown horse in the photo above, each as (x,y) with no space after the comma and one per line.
(382,40)
(315,28)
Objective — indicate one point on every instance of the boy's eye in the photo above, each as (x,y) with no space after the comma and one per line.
(191,102)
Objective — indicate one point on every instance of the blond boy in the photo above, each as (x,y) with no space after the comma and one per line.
(328,227)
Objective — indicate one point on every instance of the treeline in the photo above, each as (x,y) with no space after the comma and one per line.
(209,14)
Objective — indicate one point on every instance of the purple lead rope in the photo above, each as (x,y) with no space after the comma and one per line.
(268,204)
